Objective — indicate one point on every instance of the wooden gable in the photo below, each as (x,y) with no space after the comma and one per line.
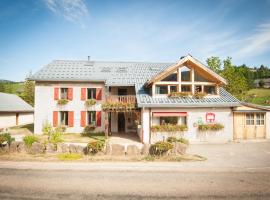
(189,62)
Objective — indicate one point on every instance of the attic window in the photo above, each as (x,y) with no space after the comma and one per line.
(171,77)
(185,74)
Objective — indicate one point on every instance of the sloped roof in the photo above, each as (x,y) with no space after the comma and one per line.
(126,74)
(13,103)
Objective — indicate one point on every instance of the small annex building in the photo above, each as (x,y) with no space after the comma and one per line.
(14,111)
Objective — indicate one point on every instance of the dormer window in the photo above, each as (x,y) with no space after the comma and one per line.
(185,74)
(210,89)
(171,77)
(161,89)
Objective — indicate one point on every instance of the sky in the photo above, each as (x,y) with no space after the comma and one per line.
(35,32)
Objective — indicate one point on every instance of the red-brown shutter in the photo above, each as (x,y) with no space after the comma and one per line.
(83,118)
(56,93)
(71,118)
(70,94)
(98,116)
(83,94)
(99,94)
(55,118)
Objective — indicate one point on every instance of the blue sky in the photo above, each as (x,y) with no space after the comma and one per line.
(35,32)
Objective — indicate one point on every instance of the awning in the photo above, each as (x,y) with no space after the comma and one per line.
(169,114)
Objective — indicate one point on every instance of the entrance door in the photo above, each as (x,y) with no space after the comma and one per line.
(122,92)
(121,122)
(239,126)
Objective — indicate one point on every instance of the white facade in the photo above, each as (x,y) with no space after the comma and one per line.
(15,119)
(45,105)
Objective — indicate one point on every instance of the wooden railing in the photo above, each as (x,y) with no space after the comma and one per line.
(123,98)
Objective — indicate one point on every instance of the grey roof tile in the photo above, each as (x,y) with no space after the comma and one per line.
(13,103)
(125,74)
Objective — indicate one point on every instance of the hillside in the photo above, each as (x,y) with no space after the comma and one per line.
(259,96)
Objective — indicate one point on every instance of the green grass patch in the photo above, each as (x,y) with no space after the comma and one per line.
(258,96)
(69,156)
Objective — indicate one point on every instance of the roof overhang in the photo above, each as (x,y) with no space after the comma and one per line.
(259,107)
(184,60)
(179,105)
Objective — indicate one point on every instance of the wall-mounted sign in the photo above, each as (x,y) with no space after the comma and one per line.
(210,117)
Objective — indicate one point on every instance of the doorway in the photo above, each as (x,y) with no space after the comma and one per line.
(17,119)
(121,122)
(122,92)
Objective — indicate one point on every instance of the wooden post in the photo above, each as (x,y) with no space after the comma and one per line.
(106,125)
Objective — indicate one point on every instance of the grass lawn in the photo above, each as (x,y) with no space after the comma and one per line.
(259,96)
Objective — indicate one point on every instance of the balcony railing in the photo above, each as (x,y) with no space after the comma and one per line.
(122,98)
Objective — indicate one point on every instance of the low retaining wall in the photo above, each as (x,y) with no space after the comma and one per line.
(109,149)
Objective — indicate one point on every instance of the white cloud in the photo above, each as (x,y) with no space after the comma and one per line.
(72,10)
(257,43)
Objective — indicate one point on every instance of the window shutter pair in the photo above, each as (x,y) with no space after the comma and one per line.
(98,94)
(70,118)
(69,94)
(83,118)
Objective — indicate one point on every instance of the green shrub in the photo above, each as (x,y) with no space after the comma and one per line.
(95,146)
(107,106)
(160,148)
(69,156)
(210,127)
(90,102)
(47,128)
(171,139)
(62,101)
(29,140)
(6,137)
(169,128)
(56,137)
(88,130)
(183,140)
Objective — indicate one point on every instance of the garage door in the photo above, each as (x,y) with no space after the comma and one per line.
(249,125)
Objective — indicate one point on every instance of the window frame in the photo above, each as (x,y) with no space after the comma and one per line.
(63,93)
(249,120)
(205,86)
(183,85)
(64,118)
(165,86)
(89,118)
(190,74)
(179,120)
(261,119)
(93,93)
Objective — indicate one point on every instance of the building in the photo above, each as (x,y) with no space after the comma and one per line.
(135,98)
(14,111)
(265,83)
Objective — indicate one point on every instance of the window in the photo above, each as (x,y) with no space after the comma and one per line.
(91,117)
(186,88)
(161,89)
(64,93)
(249,119)
(259,119)
(173,88)
(168,120)
(171,77)
(199,78)
(64,117)
(91,93)
(173,120)
(198,88)
(210,89)
(185,74)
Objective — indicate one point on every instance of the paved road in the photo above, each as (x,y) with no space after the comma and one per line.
(233,171)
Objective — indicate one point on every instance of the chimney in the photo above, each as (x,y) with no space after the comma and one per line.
(89,58)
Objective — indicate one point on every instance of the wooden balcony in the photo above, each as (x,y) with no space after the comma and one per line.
(116,103)
(122,99)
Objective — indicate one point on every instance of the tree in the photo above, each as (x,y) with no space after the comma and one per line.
(214,63)
(261,83)
(28,93)
(237,83)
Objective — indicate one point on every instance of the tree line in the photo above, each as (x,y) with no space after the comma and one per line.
(240,78)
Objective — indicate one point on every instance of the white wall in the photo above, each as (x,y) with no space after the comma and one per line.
(145,132)
(45,105)
(26,118)
(267,121)
(9,119)
(223,116)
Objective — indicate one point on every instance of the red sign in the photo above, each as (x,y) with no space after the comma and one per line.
(210,117)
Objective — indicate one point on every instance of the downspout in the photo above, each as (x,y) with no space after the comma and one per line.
(150,120)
